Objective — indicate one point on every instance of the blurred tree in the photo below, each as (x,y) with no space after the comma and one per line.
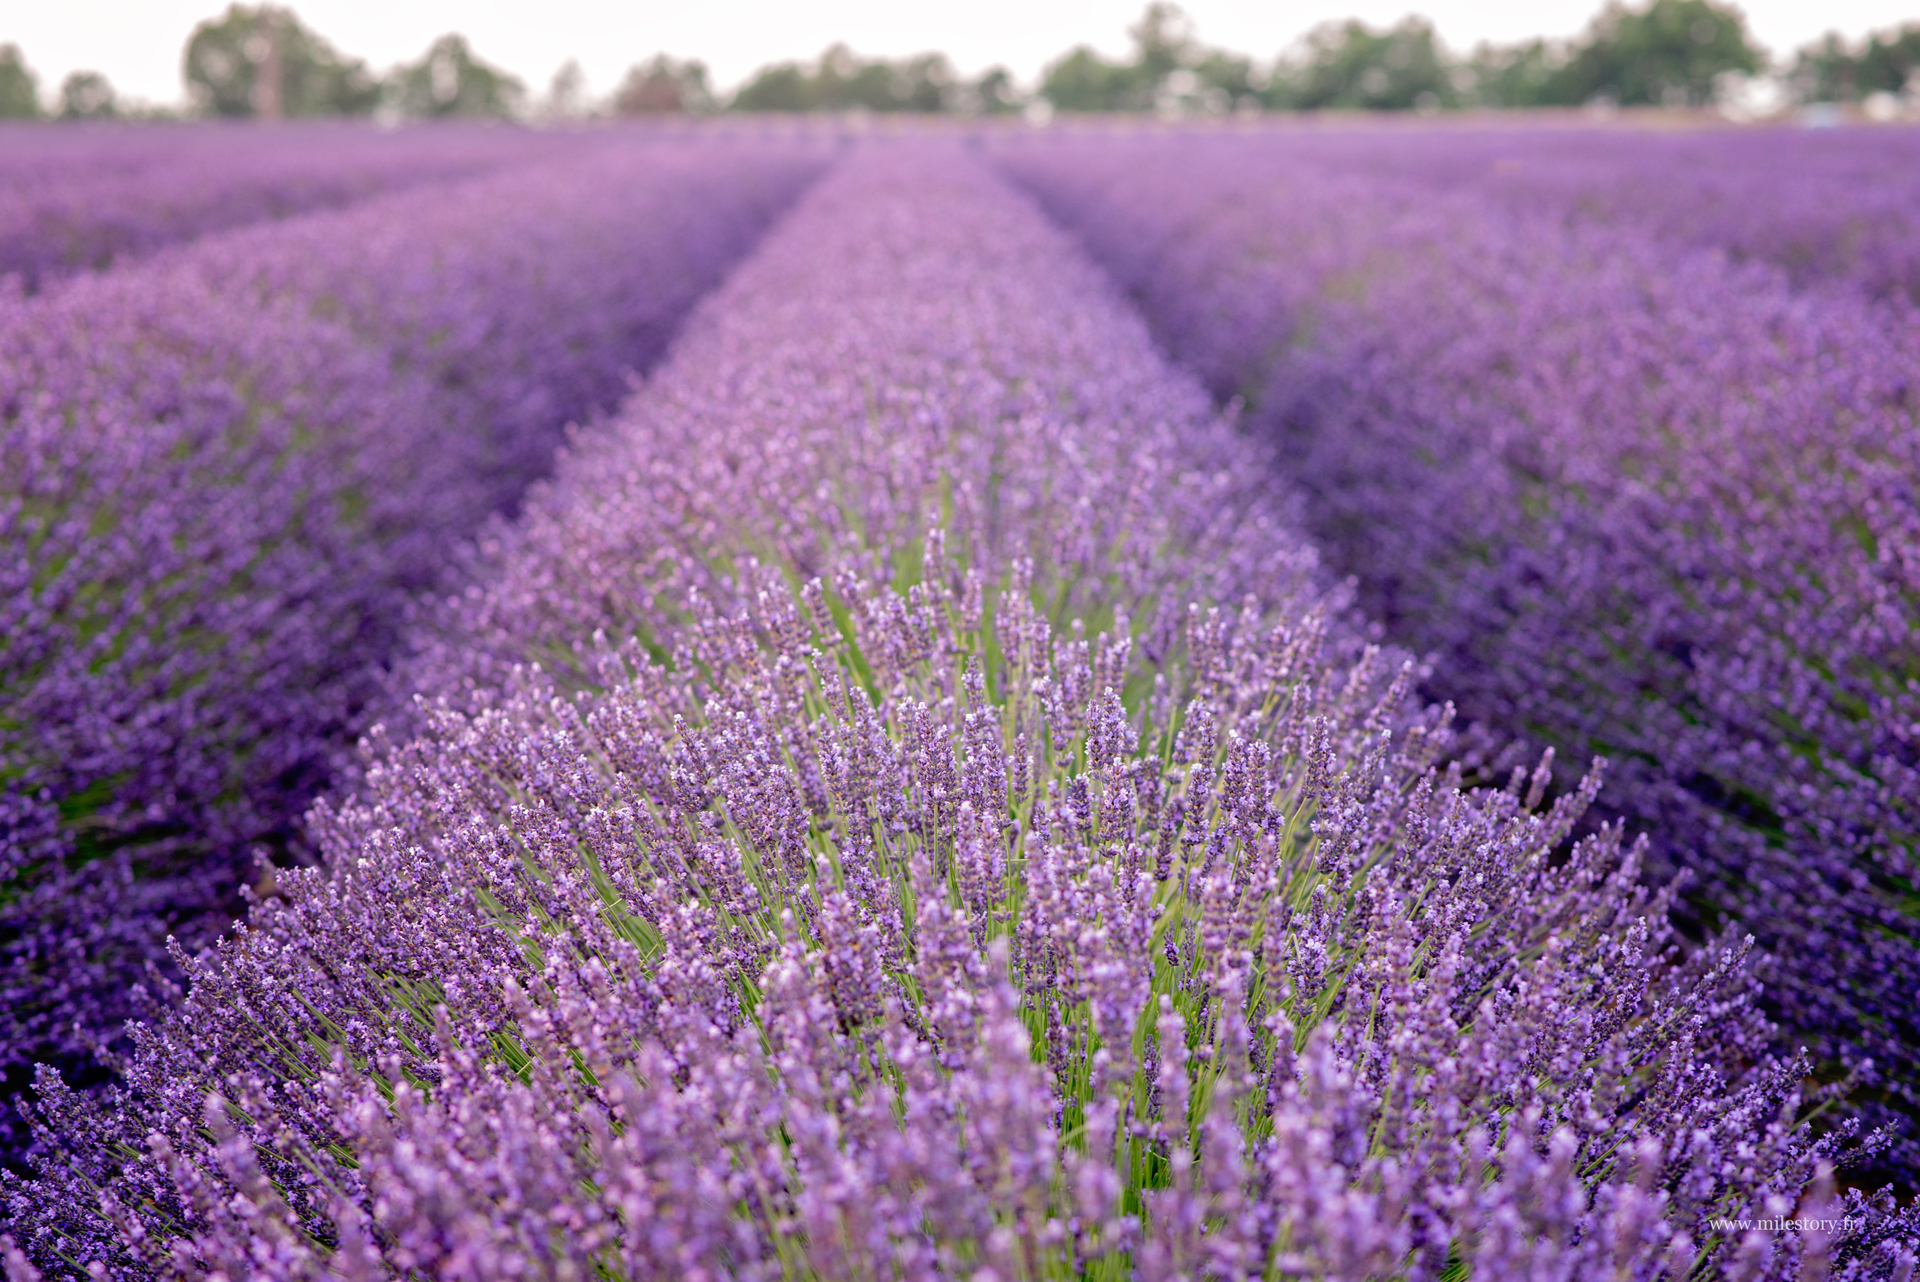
(566,97)
(844,81)
(260,61)
(19,87)
(1185,77)
(1529,74)
(1351,65)
(840,81)
(1666,54)
(1085,81)
(664,86)
(993,93)
(450,81)
(1891,61)
(783,86)
(924,83)
(1169,68)
(1231,76)
(1164,45)
(1830,71)
(86,95)
(1163,42)
(1825,71)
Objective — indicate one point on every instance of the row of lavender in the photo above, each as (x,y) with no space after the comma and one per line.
(1639,501)
(1822,206)
(903,802)
(227,471)
(73,201)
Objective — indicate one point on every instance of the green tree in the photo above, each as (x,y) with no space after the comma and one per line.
(776,87)
(1164,47)
(1351,65)
(1082,80)
(1829,71)
(664,86)
(86,95)
(1667,54)
(920,83)
(782,86)
(1530,74)
(1231,75)
(1891,61)
(450,81)
(1163,42)
(19,87)
(261,61)
(992,93)
(841,80)
(1826,71)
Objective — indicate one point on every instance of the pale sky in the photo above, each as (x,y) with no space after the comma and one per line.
(137,43)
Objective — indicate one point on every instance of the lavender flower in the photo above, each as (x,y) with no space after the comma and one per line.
(935,863)
(229,468)
(73,200)
(1635,499)
(1824,207)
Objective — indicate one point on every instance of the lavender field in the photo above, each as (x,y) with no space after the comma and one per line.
(1059,704)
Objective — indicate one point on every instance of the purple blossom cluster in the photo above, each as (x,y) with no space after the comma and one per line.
(229,468)
(1636,499)
(903,801)
(76,200)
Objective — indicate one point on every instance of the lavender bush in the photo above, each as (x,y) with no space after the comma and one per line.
(229,468)
(1637,501)
(78,199)
(951,832)
(1823,206)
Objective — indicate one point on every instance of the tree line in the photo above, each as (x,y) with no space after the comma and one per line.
(261,61)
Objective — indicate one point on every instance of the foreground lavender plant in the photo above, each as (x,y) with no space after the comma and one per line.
(1007,917)
(1637,501)
(227,471)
